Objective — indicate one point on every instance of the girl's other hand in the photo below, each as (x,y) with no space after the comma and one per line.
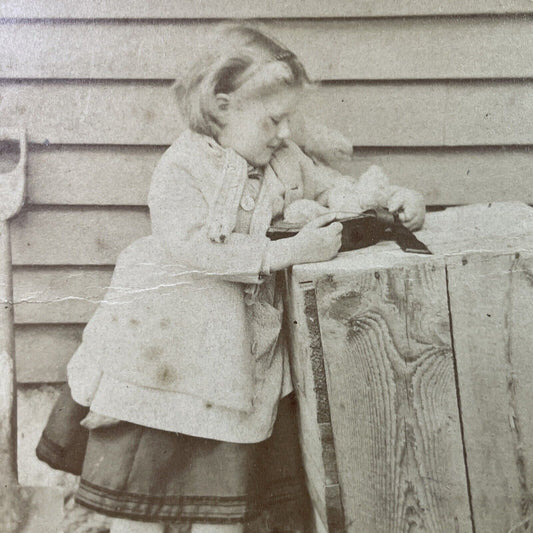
(410,207)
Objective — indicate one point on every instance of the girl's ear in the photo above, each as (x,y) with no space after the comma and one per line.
(222,102)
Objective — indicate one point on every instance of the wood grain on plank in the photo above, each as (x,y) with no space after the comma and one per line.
(44,350)
(91,236)
(368,49)
(161,9)
(370,114)
(520,322)
(389,362)
(490,300)
(121,175)
(62,295)
(334,515)
(308,401)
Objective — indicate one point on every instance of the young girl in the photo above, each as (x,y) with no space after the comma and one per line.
(192,420)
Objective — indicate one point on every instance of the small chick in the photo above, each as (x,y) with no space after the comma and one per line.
(370,191)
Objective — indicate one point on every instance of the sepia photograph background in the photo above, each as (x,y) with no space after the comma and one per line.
(438,93)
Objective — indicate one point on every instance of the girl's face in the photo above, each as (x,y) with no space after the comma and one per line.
(255,127)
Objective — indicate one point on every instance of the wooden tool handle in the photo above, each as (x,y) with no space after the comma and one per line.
(8,429)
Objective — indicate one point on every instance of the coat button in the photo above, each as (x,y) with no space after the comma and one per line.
(247,202)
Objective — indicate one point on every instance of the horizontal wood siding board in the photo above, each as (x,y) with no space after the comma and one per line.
(58,295)
(99,175)
(430,114)
(452,176)
(121,175)
(162,9)
(369,49)
(92,236)
(370,114)
(44,350)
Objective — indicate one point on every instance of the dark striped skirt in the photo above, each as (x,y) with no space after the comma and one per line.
(140,473)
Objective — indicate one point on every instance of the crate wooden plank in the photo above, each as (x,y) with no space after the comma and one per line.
(43,351)
(315,422)
(521,381)
(369,49)
(391,388)
(370,114)
(502,227)
(56,236)
(120,175)
(62,295)
(161,9)
(490,297)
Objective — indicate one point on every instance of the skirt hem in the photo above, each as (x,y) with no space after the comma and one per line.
(182,508)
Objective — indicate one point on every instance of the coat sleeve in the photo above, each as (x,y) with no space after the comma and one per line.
(179,214)
(320,179)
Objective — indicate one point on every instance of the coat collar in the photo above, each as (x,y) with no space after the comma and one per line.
(232,172)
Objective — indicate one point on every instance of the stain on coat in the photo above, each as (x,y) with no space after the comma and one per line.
(152,353)
(166,375)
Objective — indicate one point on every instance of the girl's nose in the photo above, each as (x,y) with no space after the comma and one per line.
(283,129)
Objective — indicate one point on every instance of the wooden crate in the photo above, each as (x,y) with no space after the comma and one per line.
(415,378)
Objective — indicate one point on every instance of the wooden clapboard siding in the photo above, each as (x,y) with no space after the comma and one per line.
(91,175)
(390,374)
(43,351)
(490,295)
(402,87)
(375,114)
(61,295)
(82,236)
(427,114)
(161,9)
(454,176)
(363,49)
(120,175)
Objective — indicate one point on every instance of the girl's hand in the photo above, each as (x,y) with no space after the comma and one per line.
(410,207)
(312,244)
(318,240)
(94,420)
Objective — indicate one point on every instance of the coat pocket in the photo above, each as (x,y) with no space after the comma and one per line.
(265,325)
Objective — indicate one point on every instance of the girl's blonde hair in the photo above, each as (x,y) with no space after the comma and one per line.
(242,59)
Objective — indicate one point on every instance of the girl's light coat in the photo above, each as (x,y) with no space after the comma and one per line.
(186,338)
